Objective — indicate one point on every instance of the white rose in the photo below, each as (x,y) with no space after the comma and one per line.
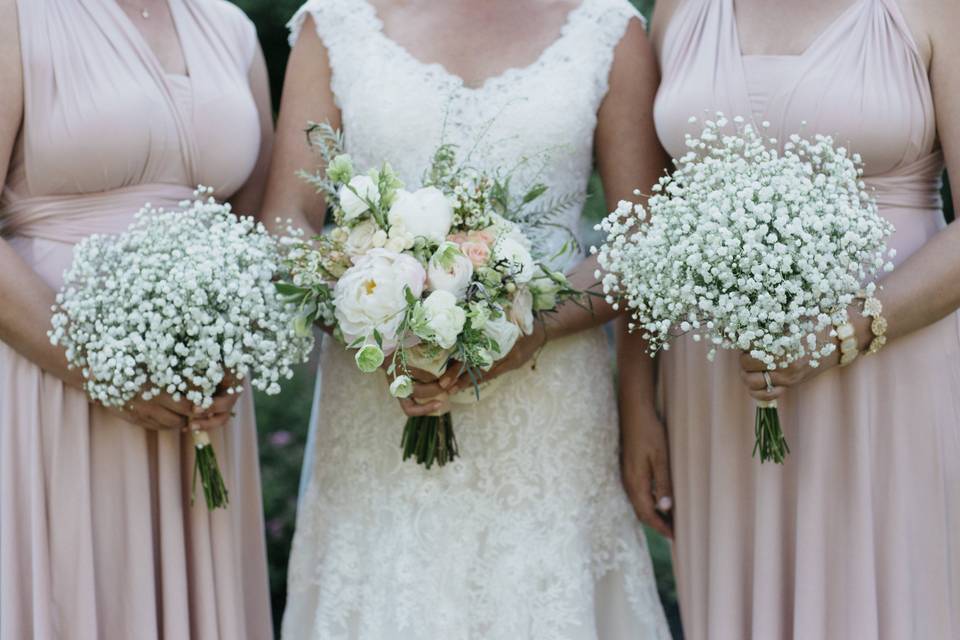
(355,195)
(449,270)
(521,310)
(361,238)
(425,213)
(370,295)
(444,318)
(504,333)
(518,256)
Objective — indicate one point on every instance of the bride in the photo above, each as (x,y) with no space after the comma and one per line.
(530,534)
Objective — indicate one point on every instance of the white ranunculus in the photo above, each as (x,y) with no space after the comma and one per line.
(361,238)
(355,195)
(401,387)
(444,318)
(370,295)
(521,310)
(425,213)
(449,270)
(518,256)
(504,333)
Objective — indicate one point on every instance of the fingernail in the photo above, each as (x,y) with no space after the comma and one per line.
(664,504)
(198,410)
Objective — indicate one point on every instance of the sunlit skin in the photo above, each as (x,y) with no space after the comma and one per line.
(925,288)
(477,40)
(26,298)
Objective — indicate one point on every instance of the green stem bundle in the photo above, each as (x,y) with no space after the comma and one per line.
(430,440)
(205,465)
(770,442)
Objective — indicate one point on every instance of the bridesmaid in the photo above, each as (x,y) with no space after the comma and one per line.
(107,105)
(858,534)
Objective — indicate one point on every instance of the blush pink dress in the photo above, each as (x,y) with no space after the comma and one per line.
(97,537)
(857,536)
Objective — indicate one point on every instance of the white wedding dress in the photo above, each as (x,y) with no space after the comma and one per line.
(529,534)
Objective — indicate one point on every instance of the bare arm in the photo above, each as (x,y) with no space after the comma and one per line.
(926,287)
(307,97)
(630,156)
(250,198)
(25,299)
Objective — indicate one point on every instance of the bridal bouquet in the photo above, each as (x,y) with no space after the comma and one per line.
(417,280)
(749,248)
(181,303)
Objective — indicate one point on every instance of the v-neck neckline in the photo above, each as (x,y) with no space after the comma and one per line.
(824,33)
(456,78)
(141,41)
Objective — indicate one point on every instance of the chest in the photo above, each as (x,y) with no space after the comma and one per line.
(474,40)
(861,80)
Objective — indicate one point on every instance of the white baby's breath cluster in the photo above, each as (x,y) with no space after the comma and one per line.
(174,305)
(748,246)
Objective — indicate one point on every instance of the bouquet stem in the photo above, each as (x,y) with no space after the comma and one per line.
(770,442)
(430,439)
(205,465)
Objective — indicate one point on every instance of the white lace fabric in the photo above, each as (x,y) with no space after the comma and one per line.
(529,534)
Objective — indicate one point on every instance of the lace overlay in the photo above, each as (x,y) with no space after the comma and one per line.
(529,534)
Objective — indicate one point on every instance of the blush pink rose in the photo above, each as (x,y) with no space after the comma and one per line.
(477,252)
(457,238)
(485,237)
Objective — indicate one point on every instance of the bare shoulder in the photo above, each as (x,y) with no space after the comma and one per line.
(634,61)
(663,11)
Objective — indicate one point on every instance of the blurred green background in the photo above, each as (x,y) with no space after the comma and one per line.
(284,419)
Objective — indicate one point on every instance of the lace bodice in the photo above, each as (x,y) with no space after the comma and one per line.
(396,108)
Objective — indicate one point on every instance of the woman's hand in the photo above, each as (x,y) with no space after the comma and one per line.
(525,349)
(646,472)
(159,414)
(752,370)
(428,397)
(163,413)
(219,413)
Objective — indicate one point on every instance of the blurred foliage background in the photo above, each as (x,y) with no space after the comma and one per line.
(284,419)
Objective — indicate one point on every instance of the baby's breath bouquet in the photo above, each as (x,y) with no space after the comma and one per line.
(750,248)
(180,303)
(417,280)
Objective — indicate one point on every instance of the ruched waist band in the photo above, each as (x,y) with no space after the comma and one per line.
(70,219)
(914,186)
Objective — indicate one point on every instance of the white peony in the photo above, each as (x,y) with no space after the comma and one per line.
(370,295)
(443,318)
(504,333)
(355,195)
(511,250)
(425,213)
(521,310)
(449,270)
